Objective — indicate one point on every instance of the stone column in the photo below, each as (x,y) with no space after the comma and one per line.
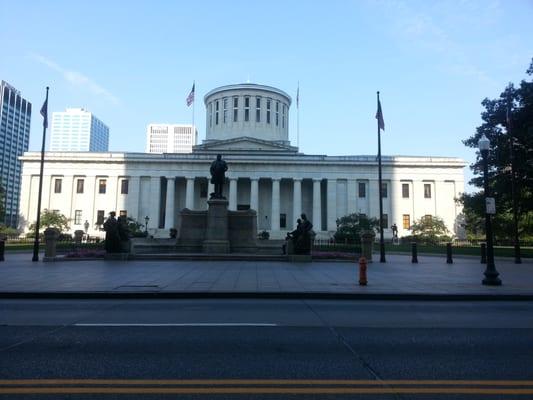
(352,196)
(155,201)
(332,205)
(170,208)
(296,201)
(133,198)
(254,194)
(274,220)
(317,206)
(233,194)
(189,194)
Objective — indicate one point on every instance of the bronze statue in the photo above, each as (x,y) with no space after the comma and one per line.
(112,238)
(301,237)
(218,169)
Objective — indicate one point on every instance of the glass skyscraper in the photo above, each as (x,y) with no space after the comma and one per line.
(78,130)
(15,117)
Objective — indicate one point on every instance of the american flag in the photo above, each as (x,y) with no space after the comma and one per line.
(44,112)
(190,97)
(298,96)
(379,117)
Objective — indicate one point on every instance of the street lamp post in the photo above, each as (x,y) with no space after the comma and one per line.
(491,275)
(146,219)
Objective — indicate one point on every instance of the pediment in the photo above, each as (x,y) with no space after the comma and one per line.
(244,144)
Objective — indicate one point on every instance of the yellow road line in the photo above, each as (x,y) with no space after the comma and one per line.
(263,390)
(279,382)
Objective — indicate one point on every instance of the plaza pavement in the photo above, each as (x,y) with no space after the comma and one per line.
(431,278)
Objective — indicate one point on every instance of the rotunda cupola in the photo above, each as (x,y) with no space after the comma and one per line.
(247,109)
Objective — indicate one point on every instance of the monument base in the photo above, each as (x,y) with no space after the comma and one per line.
(216,246)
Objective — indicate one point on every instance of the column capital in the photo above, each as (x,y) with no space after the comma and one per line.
(297,179)
(317,179)
(276,179)
(170,177)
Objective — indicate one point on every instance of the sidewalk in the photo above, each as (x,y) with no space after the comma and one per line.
(431,278)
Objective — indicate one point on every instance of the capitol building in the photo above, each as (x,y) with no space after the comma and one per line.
(249,125)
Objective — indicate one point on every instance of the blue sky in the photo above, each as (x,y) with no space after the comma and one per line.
(133,63)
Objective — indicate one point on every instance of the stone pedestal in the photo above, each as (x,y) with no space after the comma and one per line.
(78,236)
(216,235)
(50,238)
(367,242)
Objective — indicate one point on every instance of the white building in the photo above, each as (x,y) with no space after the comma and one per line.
(78,130)
(248,125)
(170,138)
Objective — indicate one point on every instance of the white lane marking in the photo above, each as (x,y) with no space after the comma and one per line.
(180,324)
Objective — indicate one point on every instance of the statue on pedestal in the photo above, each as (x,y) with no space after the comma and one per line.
(301,237)
(112,238)
(218,169)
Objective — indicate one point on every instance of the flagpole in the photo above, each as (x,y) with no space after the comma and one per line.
(298,116)
(38,222)
(194,86)
(381,240)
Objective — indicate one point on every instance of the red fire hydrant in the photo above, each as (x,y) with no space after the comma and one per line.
(362,271)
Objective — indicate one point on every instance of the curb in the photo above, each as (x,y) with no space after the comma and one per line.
(267,295)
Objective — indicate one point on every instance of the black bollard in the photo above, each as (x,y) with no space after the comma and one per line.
(414,258)
(449,259)
(483,253)
(2,249)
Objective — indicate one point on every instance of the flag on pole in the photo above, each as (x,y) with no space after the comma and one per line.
(379,117)
(190,97)
(298,96)
(44,113)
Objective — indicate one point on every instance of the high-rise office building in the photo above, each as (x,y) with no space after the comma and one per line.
(78,130)
(15,117)
(170,138)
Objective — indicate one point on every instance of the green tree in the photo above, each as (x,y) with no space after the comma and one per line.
(430,230)
(350,227)
(520,132)
(51,219)
(135,227)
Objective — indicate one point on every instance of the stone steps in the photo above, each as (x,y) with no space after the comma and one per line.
(209,257)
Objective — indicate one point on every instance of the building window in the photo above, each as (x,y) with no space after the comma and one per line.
(405,190)
(362,189)
(77,217)
(210,114)
(283,220)
(385,221)
(79,185)
(57,185)
(277,113)
(216,111)
(225,109)
(384,192)
(427,218)
(123,213)
(100,215)
(268,110)
(406,221)
(427,190)
(258,109)
(102,184)
(246,109)
(283,116)
(235,109)
(124,186)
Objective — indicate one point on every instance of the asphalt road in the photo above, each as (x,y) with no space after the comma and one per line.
(265,349)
